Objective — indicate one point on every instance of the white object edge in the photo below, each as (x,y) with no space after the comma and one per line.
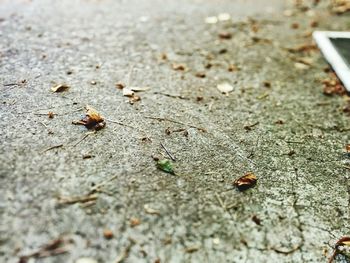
(331,54)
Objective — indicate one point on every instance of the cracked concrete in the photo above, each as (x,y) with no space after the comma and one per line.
(296,149)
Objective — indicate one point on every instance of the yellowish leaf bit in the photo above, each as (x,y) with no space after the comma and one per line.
(246,181)
(166,166)
(60,88)
(92,120)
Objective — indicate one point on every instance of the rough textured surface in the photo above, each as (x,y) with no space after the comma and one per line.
(303,191)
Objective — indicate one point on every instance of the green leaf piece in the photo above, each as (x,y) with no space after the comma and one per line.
(166,166)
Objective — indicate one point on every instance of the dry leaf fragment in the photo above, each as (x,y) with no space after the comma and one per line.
(120,85)
(92,120)
(60,88)
(138,89)
(150,210)
(301,66)
(200,75)
(246,181)
(127,92)
(180,67)
(225,88)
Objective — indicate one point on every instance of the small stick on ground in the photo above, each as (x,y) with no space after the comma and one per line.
(168,153)
(120,123)
(220,201)
(67,200)
(53,147)
(177,122)
(125,252)
(84,137)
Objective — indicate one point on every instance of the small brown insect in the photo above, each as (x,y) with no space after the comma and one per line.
(92,120)
(246,181)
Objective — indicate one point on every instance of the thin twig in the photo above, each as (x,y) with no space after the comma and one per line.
(120,123)
(220,201)
(125,252)
(84,137)
(177,122)
(66,200)
(172,96)
(168,153)
(53,147)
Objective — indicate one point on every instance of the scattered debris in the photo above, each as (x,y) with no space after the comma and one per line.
(200,74)
(69,200)
(55,247)
(250,126)
(93,82)
(127,92)
(340,6)
(150,210)
(51,115)
(120,85)
(108,234)
(53,147)
(166,166)
(256,220)
(301,66)
(125,251)
(168,153)
(179,67)
(139,89)
(60,88)
(232,68)
(177,122)
(92,120)
(88,156)
(245,182)
(192,249)
(303,48)
(225,88)
(294,25)
(333,86)
(134,221)
(225,35)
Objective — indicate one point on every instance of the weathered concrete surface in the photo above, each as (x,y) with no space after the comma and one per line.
(302,199)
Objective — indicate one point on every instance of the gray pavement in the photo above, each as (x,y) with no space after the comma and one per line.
(275,123)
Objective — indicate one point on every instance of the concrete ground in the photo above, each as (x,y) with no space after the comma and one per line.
(275,123)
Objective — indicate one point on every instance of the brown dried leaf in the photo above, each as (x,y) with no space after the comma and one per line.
(245,182)
(134,221)
(60,88)
(108,234)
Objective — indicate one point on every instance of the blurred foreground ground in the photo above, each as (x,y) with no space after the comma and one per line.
(276,123)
